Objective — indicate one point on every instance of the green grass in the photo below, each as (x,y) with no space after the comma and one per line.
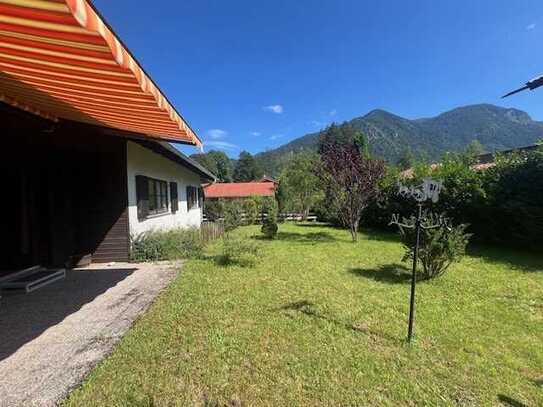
(322,321)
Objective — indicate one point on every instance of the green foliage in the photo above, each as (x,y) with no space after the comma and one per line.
(300,186)
(169,245)
(350,176)
(439,247)
(239,251)
(247,169)
(406,159)
(233,214)
(214,209)
(251,208)
(269,224)
(513,211)
(218,163)
(282,196)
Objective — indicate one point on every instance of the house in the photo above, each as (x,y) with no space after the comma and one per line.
(86,160)
(238,190)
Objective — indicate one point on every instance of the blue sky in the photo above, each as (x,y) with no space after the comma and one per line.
(255,74)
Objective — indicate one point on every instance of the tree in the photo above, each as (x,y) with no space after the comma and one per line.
(218,163)
(224,165)
(475,148)
(301,183)
(406,159)
(247,169)
(207,162)
(351,176)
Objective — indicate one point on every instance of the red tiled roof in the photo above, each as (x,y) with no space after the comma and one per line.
(239,190)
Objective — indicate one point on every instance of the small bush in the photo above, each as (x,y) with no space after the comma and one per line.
(269,224)
(233,215)
(250,207)
(239,251)
(439,247)
(214,209)
(169,245)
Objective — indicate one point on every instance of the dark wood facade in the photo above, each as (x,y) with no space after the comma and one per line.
(64,193)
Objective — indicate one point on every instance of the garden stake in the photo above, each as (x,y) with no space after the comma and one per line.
(414,276)
(429,190)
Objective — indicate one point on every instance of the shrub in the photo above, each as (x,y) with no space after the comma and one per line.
(239,251)
(214,209)
(233,215)
(439,247)
(251,207)
(269,224)
(169,245)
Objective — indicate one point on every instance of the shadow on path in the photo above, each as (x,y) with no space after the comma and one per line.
(24,317)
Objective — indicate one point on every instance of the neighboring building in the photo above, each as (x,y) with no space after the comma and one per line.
(239,190)
(267,178)
(85,155)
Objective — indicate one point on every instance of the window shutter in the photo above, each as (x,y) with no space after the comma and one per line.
(200,197)
(174,197)
(142,196)
(188,198)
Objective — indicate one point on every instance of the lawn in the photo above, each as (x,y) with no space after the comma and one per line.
(322,321)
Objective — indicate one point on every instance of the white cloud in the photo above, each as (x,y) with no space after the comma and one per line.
(216,134)
(277,109)
(256,133)
(316,123)
(333,112)
(530,26)
(221,145)
(276,136)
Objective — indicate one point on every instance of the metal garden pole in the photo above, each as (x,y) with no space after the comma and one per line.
(428,191)
(414,275)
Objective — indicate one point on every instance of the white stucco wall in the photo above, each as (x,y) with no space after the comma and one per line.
(142,161)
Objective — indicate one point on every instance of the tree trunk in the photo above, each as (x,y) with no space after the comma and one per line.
(354,230)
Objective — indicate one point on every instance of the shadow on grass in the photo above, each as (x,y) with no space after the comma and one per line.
(310,238)
(394,273)
(525,260)
(508,401)
(307,308)
(382,235)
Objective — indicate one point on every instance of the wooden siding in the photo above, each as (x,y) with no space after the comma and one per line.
(70,195)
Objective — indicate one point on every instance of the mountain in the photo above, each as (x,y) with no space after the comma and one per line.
(389,135)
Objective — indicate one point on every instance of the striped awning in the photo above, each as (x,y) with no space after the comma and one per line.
(60,60)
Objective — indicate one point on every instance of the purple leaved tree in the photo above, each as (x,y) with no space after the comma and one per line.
(351,176)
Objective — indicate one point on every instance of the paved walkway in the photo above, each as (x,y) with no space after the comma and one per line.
(52,338)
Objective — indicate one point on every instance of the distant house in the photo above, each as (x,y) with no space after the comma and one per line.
(239,190)
(267,178)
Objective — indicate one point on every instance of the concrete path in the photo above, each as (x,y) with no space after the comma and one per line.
(52,338)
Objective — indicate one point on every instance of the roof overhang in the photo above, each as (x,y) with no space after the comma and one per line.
(60,60)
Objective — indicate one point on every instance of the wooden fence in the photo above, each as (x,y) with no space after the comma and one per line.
(283,217)
(211,231)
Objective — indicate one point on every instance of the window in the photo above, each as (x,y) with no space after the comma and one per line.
(192,198)
(174,198)
(152,196)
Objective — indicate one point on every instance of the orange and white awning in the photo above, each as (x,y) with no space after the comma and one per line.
(60,60)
